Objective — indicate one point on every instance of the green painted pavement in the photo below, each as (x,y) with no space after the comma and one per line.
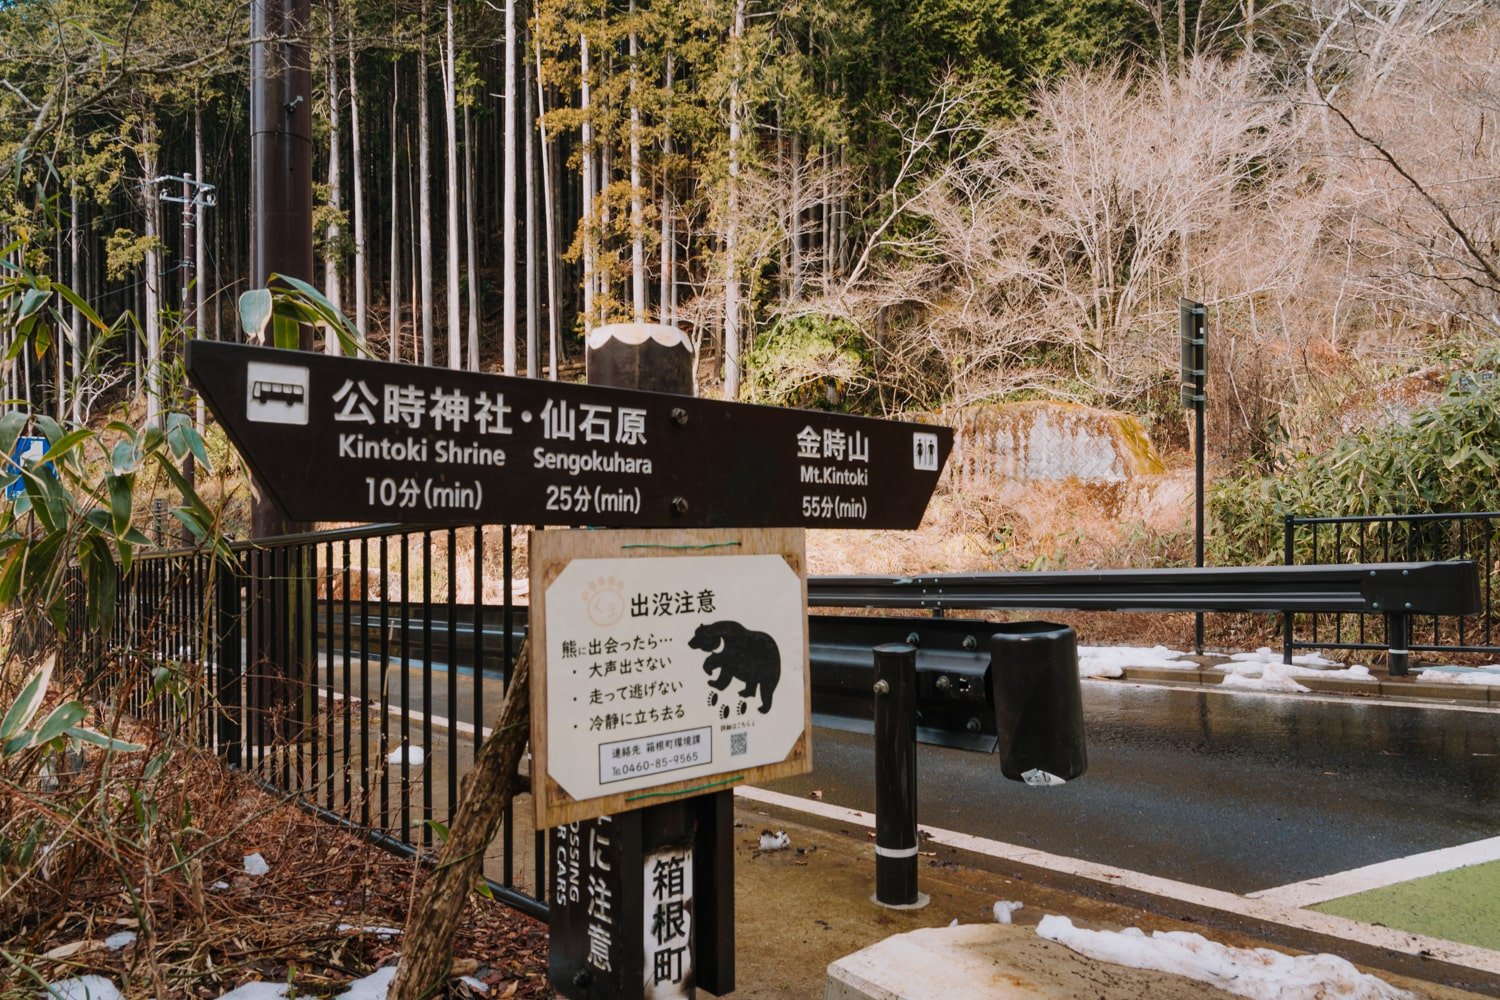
(1461,905)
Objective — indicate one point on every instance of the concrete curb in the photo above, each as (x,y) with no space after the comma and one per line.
(1377,687)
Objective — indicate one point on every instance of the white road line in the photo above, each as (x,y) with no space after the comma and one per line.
(1264,910)
(1347,883)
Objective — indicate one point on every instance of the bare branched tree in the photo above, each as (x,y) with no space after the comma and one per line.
(1052,254)
(1412,135)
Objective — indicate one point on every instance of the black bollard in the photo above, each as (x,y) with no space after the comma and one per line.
(896,776)
(1398,641)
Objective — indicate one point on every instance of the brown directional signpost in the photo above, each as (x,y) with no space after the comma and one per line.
(669,662)
(339,439)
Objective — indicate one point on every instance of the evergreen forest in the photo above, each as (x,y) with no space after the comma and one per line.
(882,206)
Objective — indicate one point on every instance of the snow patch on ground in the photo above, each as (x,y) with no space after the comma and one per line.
(1263,670)
(255,864)
(414,756)
(1272,677)
(372,987)
(382,932)
(84,988)
(121,940)
(1111,661)
(777,841)
(1003,909)
(259,991)
(1259,973)
(1265,654)
(1487,674)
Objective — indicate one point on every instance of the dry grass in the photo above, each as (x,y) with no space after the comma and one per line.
(155,843)
(1026,525)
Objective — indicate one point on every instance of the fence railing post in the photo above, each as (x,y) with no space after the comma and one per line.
(896,776)
(230,666)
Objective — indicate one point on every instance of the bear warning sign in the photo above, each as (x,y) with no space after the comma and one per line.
(665,664)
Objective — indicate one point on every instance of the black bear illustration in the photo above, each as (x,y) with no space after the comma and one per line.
(740,654)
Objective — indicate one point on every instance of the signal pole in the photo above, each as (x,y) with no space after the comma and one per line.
(1192,331)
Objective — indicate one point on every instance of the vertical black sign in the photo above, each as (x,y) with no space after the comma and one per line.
(624,916)
(1193,334)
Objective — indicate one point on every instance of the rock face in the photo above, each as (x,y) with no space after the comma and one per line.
(1049,441)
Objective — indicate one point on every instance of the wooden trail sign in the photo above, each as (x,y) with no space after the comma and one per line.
(342,439)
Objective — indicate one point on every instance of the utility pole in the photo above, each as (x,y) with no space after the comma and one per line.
(195,196)
(280,169)
(281,242)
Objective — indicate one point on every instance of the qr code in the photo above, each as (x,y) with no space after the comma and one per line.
(739,744)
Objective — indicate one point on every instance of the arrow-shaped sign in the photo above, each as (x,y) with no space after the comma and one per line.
(341,439)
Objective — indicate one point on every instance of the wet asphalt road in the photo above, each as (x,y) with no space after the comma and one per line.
(1230,791)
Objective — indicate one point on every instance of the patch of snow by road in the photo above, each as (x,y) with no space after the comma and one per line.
(1003,909)
(777,841)
(255,864)
(1302,665)
(1489,673)
(1259,973)
(1265,654)
(1272,677)
(121,940)
(84,988)
(1263,670)
(1111,661)
(414,756)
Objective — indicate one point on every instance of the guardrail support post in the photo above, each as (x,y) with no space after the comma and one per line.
(896,777)
(1288,557)
(1398,639)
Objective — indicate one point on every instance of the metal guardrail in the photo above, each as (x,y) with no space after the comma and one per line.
(1473,537)
(1446,588)
(952,664)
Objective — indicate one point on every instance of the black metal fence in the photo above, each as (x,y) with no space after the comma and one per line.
(373,727)
(355,669)
(1397,538)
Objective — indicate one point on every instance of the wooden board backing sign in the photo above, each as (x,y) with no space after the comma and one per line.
(342,439)
(664,664)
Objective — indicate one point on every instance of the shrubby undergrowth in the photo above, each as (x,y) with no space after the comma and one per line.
(1446,458)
